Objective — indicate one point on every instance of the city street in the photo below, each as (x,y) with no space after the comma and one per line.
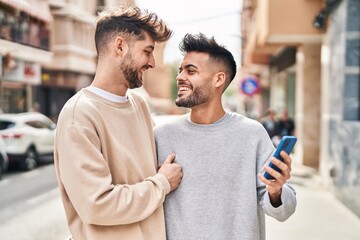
(318,216)
(293,66)
(19,189)
(30,206)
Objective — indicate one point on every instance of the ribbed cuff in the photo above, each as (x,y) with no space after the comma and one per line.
(164,182)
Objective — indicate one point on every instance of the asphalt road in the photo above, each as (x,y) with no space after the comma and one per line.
(20,191)
(30,206)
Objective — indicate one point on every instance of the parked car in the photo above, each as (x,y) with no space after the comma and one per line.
(27,137)
(4,161)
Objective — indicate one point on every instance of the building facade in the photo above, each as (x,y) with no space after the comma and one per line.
(306,55)
(340,116)
(47,51)
(24,48)
(74,58)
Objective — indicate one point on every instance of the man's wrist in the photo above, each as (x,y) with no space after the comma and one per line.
(275,198)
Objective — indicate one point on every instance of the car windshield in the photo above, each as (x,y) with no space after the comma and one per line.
(6,124)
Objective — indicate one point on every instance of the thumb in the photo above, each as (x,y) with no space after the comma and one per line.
(170,158)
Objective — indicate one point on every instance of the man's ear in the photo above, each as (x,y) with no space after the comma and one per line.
(121,46)
(220,79)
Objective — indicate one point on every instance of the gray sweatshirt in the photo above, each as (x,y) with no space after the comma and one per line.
(220,196)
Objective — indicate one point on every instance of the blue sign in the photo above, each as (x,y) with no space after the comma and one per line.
(250,85)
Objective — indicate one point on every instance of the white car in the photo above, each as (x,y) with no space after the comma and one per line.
(4,161)
(27,136)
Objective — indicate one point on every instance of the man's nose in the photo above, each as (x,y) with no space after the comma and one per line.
(180,77)
(152,61)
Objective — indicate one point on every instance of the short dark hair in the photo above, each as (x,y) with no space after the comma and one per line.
(217,53)
(132,22)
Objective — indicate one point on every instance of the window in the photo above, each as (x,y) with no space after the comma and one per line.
(6,125)
(351,108)
(37,124)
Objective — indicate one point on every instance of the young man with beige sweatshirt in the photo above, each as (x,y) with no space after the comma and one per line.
(105,156)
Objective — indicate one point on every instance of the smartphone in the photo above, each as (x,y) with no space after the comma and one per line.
(286,144)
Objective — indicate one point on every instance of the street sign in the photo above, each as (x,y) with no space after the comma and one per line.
(250,85)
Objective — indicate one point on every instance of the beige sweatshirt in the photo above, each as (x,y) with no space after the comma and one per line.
(106,168)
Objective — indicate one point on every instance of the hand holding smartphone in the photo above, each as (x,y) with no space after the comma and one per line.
(286,144)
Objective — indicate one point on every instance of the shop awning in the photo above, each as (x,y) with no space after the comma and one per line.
(36,8)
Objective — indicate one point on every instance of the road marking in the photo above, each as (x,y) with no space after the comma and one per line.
(32,173)
(4,182)
(43,197)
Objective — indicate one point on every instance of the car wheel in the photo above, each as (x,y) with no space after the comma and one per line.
(30,160)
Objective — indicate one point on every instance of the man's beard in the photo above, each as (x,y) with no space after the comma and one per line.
(198,97)
(131,75)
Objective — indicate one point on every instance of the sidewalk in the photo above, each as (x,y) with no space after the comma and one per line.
(319,215)
(46,221)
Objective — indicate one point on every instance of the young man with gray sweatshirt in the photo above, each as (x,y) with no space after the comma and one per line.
(223,194)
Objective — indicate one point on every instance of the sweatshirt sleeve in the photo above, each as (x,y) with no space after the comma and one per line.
(286,209)
(87,180)
(288,194)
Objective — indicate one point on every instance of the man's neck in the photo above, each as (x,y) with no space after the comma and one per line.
(206,115)
(110,83)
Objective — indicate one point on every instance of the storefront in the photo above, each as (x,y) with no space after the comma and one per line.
(17,80)
(56,88)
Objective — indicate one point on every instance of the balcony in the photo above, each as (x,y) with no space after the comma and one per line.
(280,23)
(73,43)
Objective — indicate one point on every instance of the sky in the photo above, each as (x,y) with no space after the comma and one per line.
(193,16)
